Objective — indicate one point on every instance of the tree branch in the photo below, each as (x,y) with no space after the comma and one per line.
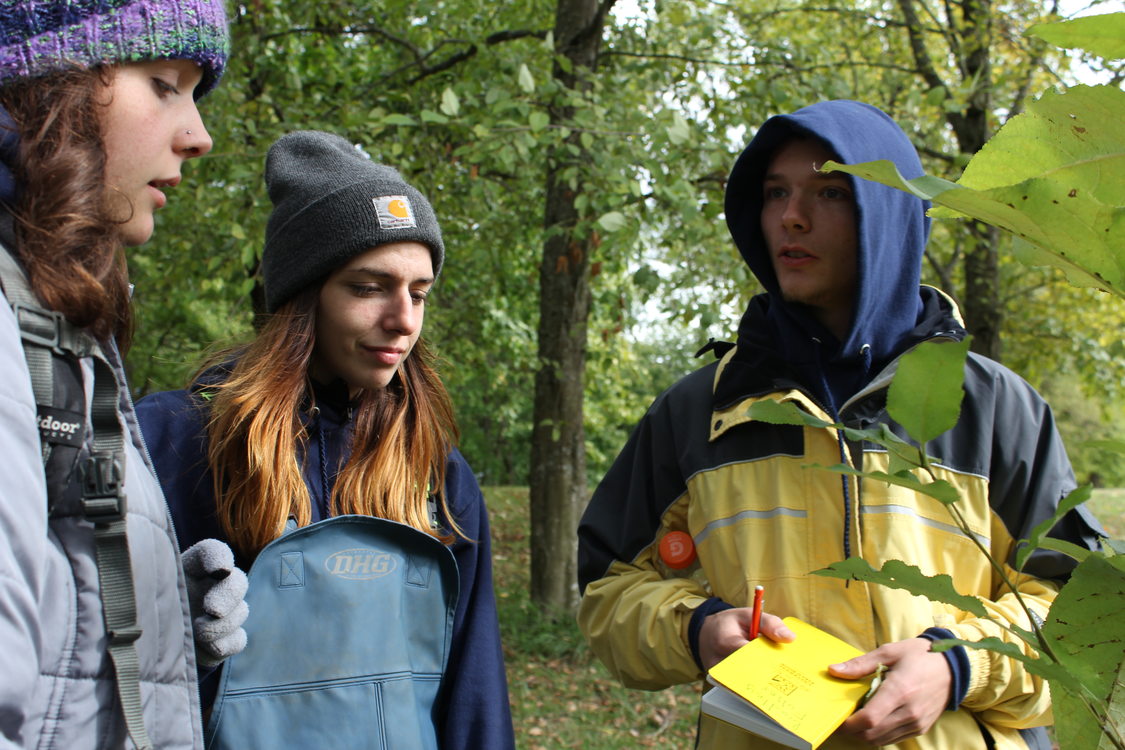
(469,48)
(922,59)
(665,56)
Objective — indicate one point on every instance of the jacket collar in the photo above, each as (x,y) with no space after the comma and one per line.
(758,365)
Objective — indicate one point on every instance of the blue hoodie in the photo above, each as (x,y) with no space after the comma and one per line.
(889,314)
(892,229)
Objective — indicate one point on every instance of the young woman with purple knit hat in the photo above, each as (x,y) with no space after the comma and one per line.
(97,117)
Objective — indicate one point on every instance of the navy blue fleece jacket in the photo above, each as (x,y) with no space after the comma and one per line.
(473,710)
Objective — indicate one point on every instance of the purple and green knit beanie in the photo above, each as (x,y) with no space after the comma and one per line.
(41,36)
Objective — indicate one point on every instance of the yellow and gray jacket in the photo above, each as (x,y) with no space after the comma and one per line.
(758,514)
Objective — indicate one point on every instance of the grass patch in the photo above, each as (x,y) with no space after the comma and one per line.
(1109,506)
(561,695)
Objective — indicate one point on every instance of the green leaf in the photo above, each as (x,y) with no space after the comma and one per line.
(450,104)
(925,395)
(1038,534)
(1054,176)
(237,232)
(538,120)
(777,412)
(903,455)
(1103,35)
(678,132)
(527,83)
(939,489)
(1115,711)
(1037,665)
(429,115)
(612,221)
(1067,548)
(898,575)
(1086,631)
(397,119)
(1075,726)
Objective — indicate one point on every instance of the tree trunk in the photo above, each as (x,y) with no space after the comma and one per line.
(982,308)
(558,448)
(984,314)
(970,44)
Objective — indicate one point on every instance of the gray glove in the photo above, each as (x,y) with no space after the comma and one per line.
(216,594)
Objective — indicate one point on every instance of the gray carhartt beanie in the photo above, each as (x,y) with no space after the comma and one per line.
(332,203)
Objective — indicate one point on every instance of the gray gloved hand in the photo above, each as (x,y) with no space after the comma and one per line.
(216,595)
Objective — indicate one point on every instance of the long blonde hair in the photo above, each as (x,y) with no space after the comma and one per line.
(402,435)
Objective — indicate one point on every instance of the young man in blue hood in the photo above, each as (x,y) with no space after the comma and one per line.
(840,260)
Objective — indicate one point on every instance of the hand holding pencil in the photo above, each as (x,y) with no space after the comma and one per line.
(724,632)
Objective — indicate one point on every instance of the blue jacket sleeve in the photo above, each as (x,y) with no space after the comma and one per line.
(474,711)
(173,424)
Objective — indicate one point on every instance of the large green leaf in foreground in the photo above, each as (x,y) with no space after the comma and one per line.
(1054,176)
(1087,629)
(1103,35)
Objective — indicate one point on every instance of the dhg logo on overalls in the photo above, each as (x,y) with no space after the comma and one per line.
(360,564)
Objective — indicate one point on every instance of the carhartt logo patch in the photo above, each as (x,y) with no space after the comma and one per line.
(394,212)
(360,564)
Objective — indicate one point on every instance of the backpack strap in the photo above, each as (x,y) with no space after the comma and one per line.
(47,335)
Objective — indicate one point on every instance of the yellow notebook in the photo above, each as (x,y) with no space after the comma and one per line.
(782,691)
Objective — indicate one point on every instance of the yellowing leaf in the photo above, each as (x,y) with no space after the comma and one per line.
(527,83)
(450,104)
(1054,176)
(679,132)
(1071,138)
(1103,35)
(612,221)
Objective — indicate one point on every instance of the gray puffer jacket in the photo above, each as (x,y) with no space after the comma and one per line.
(57,685)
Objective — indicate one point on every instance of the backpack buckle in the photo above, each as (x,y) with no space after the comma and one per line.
(103,498)
(39,326)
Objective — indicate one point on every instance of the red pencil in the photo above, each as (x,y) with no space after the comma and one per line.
(756,615)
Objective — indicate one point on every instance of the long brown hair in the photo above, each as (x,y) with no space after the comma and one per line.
(402,434)
(65,236)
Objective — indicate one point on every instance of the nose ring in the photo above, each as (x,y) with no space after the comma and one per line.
(187,132)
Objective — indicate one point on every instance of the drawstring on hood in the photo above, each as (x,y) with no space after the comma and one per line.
(892,229)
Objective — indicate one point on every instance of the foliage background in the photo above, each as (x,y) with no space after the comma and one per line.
(454,94)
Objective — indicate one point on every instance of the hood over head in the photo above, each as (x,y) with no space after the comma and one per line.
(892,229)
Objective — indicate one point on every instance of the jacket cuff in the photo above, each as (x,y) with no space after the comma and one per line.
(709,607)
(958,661)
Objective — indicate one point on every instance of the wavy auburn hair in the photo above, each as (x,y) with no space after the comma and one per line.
(66,238)
(402,435)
